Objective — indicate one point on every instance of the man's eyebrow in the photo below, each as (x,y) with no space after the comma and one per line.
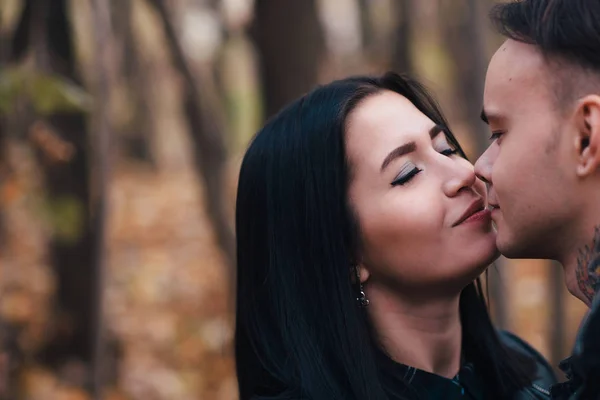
(484,117)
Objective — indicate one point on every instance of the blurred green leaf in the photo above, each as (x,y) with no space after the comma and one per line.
(66,216)
(10,86)
(51,93)
(48,93)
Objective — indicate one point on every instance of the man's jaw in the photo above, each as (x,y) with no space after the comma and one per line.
(582,266)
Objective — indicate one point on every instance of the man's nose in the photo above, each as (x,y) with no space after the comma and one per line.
(485,163)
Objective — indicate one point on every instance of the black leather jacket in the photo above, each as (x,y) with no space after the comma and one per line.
(545,378)
(583,367)
(467,385)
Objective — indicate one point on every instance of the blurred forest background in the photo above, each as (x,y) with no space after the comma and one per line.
(122,127)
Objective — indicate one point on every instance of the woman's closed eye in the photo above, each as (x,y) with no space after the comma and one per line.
(442,145)
(406,175)
(449,152)
(409,172)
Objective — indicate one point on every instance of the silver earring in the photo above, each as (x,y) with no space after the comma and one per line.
(362,297)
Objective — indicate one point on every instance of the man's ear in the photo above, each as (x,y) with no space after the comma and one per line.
(587,139)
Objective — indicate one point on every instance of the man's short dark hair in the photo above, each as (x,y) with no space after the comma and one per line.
(565,31)
(566,28)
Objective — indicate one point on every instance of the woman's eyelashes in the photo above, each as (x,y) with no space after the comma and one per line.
(449,152)
(405,177)
(407,174)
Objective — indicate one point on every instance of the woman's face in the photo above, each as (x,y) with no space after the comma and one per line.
(420,208)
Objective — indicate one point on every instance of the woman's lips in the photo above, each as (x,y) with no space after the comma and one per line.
(480,216)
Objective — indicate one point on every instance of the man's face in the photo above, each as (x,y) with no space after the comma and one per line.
(526,164)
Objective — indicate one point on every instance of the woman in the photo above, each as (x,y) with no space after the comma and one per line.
(361,231)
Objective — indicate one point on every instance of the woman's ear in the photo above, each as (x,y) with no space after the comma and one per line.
(360,274)
(587,140)
(363,273)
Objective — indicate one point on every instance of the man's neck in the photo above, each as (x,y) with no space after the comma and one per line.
(582,266)
(426,335)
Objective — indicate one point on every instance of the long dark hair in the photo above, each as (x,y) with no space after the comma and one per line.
(299,332)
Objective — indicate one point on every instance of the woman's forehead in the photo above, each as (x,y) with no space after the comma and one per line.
(385,117)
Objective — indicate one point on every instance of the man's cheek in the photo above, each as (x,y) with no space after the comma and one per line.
(499,174)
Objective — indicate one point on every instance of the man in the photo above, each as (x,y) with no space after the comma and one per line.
(542,104)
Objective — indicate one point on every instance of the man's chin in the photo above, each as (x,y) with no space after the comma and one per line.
(514,248)
(506,244)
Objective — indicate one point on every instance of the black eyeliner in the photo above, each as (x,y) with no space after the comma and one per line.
(403,180)
(449,152)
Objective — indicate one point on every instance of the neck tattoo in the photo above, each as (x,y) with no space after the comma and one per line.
(588,267)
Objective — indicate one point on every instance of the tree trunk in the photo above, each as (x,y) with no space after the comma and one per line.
(5,353)
(11,358)
(290,43)
(100,147)
(465,40)
(72,260)
(11,355)
(45,30)
(208,137)
(366,26)
(402,58)
(139,130)
(4,168)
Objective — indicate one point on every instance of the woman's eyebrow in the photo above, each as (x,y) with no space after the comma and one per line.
(409,147)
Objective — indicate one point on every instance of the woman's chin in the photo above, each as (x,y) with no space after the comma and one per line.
(485,249)
(491,256)
(483,255)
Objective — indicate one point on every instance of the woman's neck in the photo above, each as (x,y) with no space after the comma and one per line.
(426,335)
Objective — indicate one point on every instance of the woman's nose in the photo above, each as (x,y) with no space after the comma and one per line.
(461,175)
